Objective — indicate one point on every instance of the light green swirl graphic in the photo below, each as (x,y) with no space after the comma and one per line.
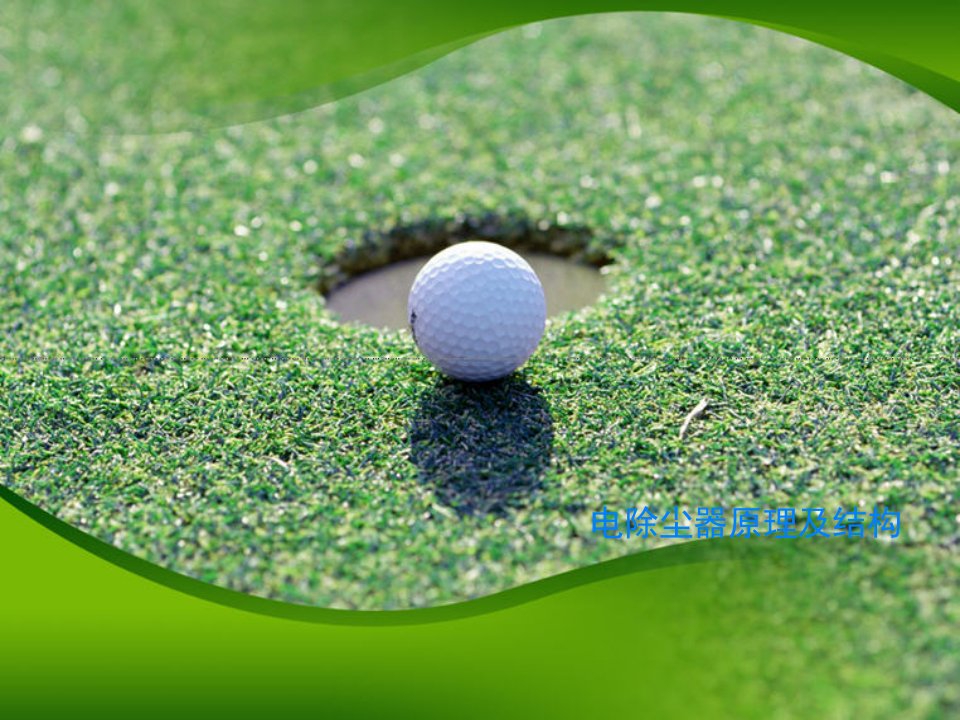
(136,67)
(733,628)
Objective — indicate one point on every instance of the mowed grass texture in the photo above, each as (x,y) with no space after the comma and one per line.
(783,223)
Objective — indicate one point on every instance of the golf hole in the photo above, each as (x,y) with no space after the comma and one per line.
(369,282)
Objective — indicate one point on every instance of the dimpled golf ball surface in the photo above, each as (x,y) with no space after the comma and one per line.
(477,311)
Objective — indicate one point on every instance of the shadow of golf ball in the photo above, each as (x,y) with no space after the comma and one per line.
(483,448)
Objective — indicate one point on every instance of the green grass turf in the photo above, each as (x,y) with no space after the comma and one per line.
(784,223)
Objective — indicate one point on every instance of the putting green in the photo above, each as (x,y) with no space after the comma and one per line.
(783,223)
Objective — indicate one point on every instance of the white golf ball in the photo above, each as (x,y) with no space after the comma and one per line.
(477,311)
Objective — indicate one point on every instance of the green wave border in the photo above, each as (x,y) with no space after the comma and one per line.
(234,82)
(686,553)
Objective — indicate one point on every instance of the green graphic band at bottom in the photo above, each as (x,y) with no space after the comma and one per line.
(734,628)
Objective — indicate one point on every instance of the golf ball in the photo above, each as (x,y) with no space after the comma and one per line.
(477,311)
